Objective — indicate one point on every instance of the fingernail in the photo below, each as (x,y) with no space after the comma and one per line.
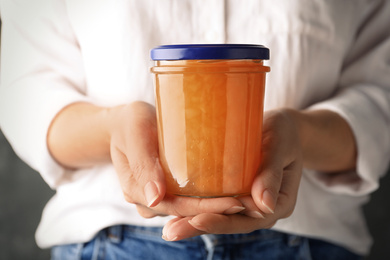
(169,239)
(233,210)
(254,214)
(151,193)
(269,201)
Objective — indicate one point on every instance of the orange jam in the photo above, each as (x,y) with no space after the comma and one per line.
(209,115)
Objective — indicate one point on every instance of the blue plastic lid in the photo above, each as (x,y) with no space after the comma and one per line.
(209,52)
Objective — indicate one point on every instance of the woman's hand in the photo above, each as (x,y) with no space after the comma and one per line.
(134,153)
(274,190)
(319,139)
(126,136)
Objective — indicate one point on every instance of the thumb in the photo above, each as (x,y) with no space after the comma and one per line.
(265,189)
(151,181)
(142,179)
(135,157)
(154,189)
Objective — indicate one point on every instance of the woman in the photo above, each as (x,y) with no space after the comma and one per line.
(77,106)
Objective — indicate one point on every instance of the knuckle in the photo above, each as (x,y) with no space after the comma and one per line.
(145,213)
(275,175)
(176,212)
(178,209)
(128,198)
(127,184)
(137,169)
(200,205)
(142,170)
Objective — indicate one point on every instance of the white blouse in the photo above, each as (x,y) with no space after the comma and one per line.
(324,55)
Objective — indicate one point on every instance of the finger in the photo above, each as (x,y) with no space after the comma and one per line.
(187,206)
(228,224)
(251,209)
(147,212)
(180,228)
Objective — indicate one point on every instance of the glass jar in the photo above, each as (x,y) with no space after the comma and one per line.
(209,104)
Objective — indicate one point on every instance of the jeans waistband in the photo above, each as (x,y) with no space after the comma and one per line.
(146,243)
(117,232)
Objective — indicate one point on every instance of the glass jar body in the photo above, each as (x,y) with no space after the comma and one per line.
(209,115)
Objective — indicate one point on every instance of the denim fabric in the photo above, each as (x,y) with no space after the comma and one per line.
(145,243)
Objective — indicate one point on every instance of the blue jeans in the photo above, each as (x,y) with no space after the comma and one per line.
(145,243)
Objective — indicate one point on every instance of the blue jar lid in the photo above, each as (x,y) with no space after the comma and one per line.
(209,52)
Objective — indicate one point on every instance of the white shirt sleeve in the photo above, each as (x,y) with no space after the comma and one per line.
(363,100)
(41,73)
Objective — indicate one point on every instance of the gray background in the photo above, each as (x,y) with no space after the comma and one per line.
(23,195)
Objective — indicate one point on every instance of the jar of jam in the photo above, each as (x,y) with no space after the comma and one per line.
(209,104)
